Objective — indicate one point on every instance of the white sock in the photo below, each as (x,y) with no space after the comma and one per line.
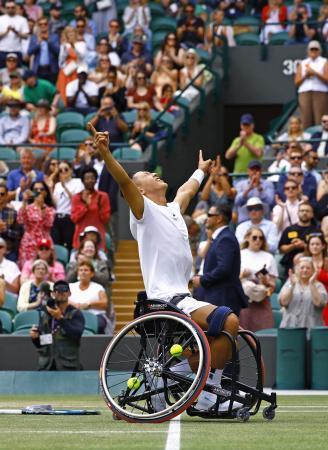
(182,367)
(215,376)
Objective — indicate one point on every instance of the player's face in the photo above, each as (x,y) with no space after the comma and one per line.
(149,182)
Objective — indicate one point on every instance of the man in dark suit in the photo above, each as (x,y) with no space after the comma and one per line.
(220,280)
(322,147)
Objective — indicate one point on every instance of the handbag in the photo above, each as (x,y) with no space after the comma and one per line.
(256,292)
(69,68)
(103,4)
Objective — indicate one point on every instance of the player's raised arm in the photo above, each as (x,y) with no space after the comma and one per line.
(128,188)
(189,189)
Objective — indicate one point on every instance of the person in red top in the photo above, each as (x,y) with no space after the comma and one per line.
(90,207)
(274,16)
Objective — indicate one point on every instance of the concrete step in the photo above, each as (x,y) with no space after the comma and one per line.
(123,284)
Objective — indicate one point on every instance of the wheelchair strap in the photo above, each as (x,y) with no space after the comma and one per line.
(216,320)
(177,298)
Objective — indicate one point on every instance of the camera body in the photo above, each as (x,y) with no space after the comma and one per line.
(51,303)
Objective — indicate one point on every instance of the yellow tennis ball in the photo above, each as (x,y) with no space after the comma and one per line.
(176,350)
(133,383)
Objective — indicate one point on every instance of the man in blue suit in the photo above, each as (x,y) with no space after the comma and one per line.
(220,280)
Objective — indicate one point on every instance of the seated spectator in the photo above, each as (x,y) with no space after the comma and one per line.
(81,11)
(114,88)
(63,352)
(316,248)
(14,90)
(166,98)
(91,296)
(88,251)
(9,270)
(171,48)
(20,179)
(189,72)
(280,165)
(72,54)
(56,23)
(115,39)
(44,47)
(104,50)
(191,29)
(136,13)
(139,53)
(258,273)
(43,129)
(100,74)
(293,8)
(310,163)
(143,130)
(108,119)
(285,213)
(256,218)
(254,186)
(85,37)
(248,146)
(302,28)
(90,207)
(142,92)
(11,67)
(323,186)
(50,172)
(14,128)
(63,229)
(322,147)
(37,217)
(233,8)
(29,294)
(217,33)
(293,238)
(274,16)
(10,231)
(164,74)
(36,89)
(45,252)
(82,94)
(295,131)
(303,297)
(89,233)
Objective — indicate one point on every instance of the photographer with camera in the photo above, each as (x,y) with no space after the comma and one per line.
(302,29)
(57,337)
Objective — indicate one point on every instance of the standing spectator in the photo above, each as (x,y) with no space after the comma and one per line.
(255,210)
(81,12)
(247,146)
(302,28)
(294,7)
(136,13)
(8,270)
(217,33)
(56,23)
(233,8)
(171,48)
(50,172)
(90,207)
(37,89)
(20,179)
(311,79)
(295,131)
(258,273)
(285,213)
(14,128)
(72,53)
(108,119)
(322,147)
(10,231)
(84,36)
(274,16)
(82,94)
(164,74)
(65,324)
(100,74)
(293,239)
(37,217)
(13,30)
(32,10)
(45,252)
(11,67)
(253,186)
(302,297)
(43,129)
(44,47)
(63,228)
(191,29)
(142,92)
(29,296)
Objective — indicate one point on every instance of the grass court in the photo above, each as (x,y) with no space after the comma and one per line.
(300,423)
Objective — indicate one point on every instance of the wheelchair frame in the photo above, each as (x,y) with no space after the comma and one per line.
(185,390)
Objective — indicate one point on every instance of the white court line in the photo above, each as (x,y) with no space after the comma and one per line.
(173,435)
(92,432)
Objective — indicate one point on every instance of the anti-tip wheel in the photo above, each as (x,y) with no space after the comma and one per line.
(243,414)
(269,413)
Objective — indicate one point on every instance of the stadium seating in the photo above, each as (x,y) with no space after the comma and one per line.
(75,135)
(10,304)
(91,322)
(7,154)
(278,38)
(61,254)
(68,120)
(277,316)
(274,301)
(25,320)
(167,24)
(62,153)
(248,39)
(6,321)
(126,153)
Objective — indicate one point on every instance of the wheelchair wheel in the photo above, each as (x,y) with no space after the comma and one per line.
(141,380)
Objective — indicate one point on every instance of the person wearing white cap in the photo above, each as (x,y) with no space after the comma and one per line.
(255,210)
(311,79)
(82,94)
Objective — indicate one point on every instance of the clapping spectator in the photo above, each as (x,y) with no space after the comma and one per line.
(295,131)
(143,130)
(10,231)
(43,129)
(84,36)
(13,91)
(29,294)
(321,147)
(302,297)
(37,217)
(36,89)
(136,13)
(9,270)
(193,72)
(217,33)
(142,92)
(50,172)
(115,39)
(164,74)
(191,29)
(115,89)
(45,252)
(171,48)
(138,33)
(274,16)
(14,127)
(248,146)
(82,94)
(100,74)
(137,53)
(316,248)
(103,49)
(285,213)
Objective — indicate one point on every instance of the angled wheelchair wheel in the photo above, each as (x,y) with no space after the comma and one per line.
(144,378)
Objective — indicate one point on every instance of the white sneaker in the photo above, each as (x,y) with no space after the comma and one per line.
(206,400)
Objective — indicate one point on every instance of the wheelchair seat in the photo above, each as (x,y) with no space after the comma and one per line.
(146,305)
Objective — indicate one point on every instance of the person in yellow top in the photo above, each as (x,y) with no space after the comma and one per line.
(247,147)
(14,90)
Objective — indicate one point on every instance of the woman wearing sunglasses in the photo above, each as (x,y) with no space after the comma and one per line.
(37,215)
(258,275)
(285,213)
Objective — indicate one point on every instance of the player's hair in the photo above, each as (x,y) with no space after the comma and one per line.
(225,212)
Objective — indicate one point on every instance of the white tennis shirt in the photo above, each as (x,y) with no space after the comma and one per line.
(164,250)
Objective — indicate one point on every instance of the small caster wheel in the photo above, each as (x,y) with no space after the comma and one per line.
(115,417)
(269,413)
(243,414)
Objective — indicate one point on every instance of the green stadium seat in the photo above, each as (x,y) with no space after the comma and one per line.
(278,285)
(278,38)
(10,304)
(61,253)
(158,39)
(67,121)
(267,332)
(204,56)
(91,322)
(8,154)
(167,24)
(25,320)
(130,117)
(22,332)
(88,117)
(87,333)
(126,154)
(156,10)
(277,316)
(281,268)
(314,129)
(275,305)
(38,152)
(74,135)
(6,321)
(62,153)
(247,39)
(248,21)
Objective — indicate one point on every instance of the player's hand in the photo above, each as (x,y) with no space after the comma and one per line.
(196,281)
(100,140)
(205,166)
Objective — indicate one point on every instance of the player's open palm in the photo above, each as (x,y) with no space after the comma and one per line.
(205,166)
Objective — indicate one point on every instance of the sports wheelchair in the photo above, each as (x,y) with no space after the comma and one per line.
(143,380)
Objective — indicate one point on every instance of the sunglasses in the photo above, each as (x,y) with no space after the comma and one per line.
(39,190)
(212,214)
(64,169)
(295,157)
(255,208)
(290,188)
(2,246)
(44,248)
(257,238)
(190,57)
(296,174)
(3,194)
(141,78)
